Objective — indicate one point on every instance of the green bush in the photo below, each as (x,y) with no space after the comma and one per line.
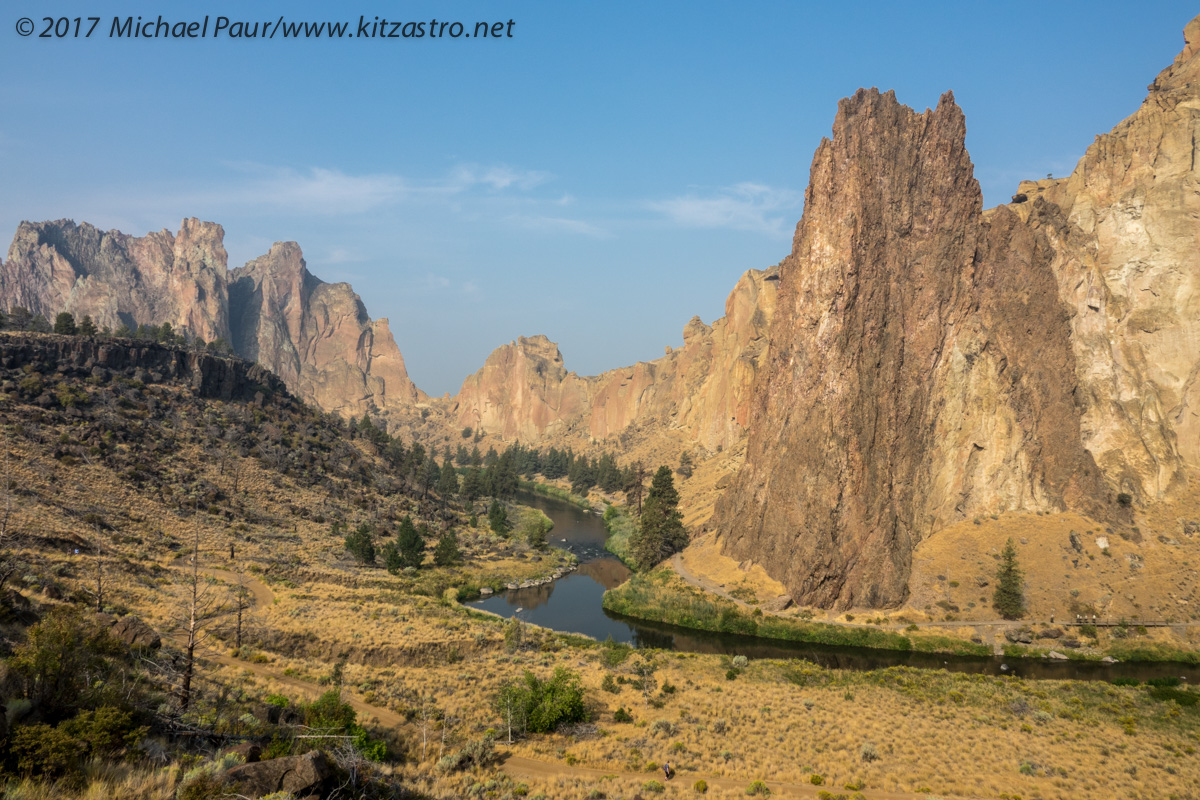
(758,788)
(700,787)
(654,787)
(621,715)
(816,780)
(45,751)
(540,706)
(105,731)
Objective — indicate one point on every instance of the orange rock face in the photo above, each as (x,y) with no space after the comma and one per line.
(701,390)
(930,362)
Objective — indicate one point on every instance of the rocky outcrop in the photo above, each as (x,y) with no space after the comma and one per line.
(206,375)
(120,279)
(316,336)
(1127,263)
(300,775)
(524,392)
(701,390)
(132,631)
(930,361)
(920,367)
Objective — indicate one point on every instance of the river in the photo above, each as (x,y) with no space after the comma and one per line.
(572,604)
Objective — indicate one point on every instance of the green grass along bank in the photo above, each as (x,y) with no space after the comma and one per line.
(662,596)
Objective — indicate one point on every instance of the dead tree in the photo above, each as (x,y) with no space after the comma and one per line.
(200,608)
(98,569)
(241,602)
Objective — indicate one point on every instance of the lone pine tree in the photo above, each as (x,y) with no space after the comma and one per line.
(1009,599)
(661,531)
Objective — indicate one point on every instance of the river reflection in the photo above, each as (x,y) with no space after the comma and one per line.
(573,604)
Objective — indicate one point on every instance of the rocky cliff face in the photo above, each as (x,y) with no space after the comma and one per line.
(700,390)
(116,278)
(317,337)
(930,362)
(1127,262)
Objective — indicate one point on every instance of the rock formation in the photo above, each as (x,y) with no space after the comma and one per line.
(316,336)
(930,362)
(117,278)
(701,389)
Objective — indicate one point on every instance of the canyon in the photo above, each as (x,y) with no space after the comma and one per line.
(916,361)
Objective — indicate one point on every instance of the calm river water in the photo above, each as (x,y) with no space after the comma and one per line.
(572,604)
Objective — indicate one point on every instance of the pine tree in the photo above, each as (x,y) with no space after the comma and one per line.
(64,324)
(447,485)
(447,554)
(360,546)
(409,544)
(391,558)
(1009,599)
(87,327)
(498,518)
(661,532)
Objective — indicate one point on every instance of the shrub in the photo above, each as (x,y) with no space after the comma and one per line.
(105,731)
(621,715)
(613,654)
(540,705)
(816,780)
(700,787)
(610,685)
(45,751)
(758,788)
(868,752)
(479,753)
(204,782)
(654,787)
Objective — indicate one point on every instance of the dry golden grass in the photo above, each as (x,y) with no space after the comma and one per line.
(955,735)
(1148,579)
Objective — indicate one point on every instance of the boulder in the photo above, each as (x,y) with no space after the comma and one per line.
(300,775)
(781,603)
(1057,656)
(1019,635)
(132,631)
(1050,633)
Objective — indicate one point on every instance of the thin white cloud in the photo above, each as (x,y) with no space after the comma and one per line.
(744,206)
(560,224)
(497,177)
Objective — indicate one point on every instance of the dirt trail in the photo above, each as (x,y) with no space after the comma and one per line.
(261,593)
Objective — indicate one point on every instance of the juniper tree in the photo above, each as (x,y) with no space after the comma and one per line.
(1009,598)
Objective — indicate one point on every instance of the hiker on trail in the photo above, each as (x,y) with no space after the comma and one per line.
(667,770)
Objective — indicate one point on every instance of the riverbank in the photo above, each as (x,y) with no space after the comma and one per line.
(620,528)
(663,596)
(558,493)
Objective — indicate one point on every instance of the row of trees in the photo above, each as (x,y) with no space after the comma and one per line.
(406,549)
(19,318)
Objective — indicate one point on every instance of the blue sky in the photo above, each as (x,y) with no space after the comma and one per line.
(600,177)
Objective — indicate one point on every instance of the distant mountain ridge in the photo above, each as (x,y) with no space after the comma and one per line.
(315,336)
